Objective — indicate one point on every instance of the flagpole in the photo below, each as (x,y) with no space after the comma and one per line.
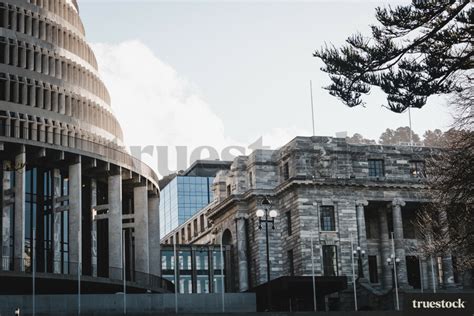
(312,105)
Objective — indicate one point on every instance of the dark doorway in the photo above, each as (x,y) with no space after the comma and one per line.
(413,271)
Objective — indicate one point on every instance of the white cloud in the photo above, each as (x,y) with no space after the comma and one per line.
(157,107)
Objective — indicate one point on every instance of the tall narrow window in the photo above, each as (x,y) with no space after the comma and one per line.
(250,180)
(229,191)
(291,265)
(289,229)
(286,171)
(373,273)
(330,260)
(376,168)
(328,222)
(417,169)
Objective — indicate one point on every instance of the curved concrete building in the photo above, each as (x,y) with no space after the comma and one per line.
(71,196)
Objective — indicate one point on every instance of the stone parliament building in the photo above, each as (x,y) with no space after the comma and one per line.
(71,196)
(343,196)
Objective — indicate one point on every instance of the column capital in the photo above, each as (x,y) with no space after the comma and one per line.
(241,216)
(361,203)
(398,202)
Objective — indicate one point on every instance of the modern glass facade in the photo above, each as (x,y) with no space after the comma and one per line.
(181,198)
(200,268)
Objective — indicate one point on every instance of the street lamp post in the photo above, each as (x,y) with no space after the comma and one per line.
(359,254)
(394,261)
(265,215)
(353,273)
(222,272)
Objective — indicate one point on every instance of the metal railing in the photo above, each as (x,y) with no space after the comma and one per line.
(141,279)
(66,140)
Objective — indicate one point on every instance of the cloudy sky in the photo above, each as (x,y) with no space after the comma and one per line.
(225,73)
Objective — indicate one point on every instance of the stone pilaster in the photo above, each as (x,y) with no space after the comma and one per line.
(242,252)
(384,248)
(140,201)
(94,227)
(398,239)
(75,214)
(115,226)
(362,234)
(56,221)
(19,235)
(6,217)
(154,235)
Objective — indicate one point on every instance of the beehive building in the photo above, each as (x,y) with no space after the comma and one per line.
(72,199)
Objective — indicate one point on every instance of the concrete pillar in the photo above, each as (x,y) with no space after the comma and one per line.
(154,235)
(19,235)
(94,227)
(242,252)
(140,205)
(75,214)
(398,238)
(115,226)
(362,234)
(33,94)
(56,222)
(384,249)
(447,260)
(6,218)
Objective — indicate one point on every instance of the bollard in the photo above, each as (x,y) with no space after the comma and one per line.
(17,311)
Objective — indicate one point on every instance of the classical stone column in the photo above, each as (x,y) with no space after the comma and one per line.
(115,226)
(19,235)
(384,248)
(75,214)
(6,219)
(94,227)
(447,260)
(242,252)
(398,239)
(56,221)
(154,235)
(362,234)
(140,202)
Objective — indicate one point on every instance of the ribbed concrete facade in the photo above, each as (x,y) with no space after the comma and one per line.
(71,195)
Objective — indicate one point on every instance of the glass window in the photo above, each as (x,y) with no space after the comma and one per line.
(185,284)
(373,274)
(286,171)
(202,271)
(417,168)
(288,223)
(330,260)
(328,222)
(291,266)
(376,168)
(167,260)
(217,261)
(202,284)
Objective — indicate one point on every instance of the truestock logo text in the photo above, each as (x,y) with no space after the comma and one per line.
(443,304)
(434,304)
(185,155)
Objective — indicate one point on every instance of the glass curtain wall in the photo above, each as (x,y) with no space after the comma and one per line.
(39,216)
